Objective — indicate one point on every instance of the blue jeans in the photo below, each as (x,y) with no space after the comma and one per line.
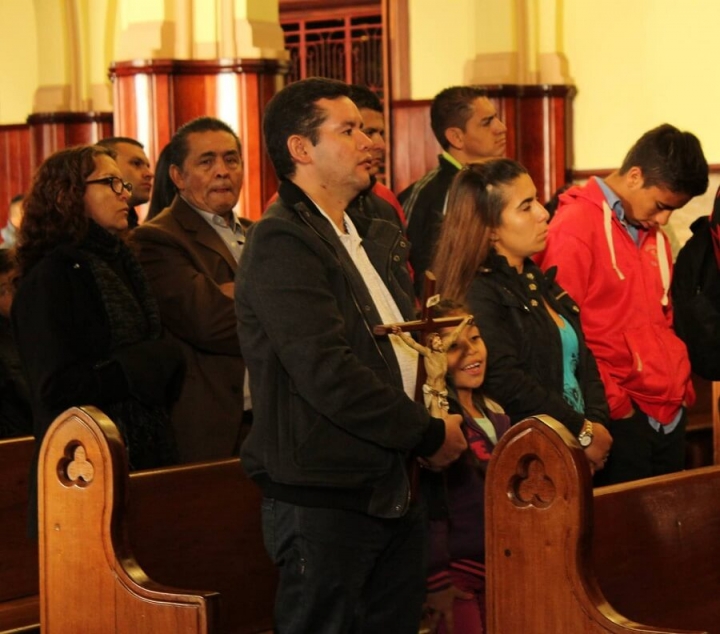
(346,572)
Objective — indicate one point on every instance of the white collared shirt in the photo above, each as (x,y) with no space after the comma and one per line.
(407,358)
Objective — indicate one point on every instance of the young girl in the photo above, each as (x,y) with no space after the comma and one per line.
(456,582)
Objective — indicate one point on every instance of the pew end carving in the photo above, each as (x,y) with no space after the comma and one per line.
(539,514)
(89,579)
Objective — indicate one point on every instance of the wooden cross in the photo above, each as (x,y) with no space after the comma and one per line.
(426,325)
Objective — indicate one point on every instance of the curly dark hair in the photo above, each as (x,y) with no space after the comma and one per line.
(54,206)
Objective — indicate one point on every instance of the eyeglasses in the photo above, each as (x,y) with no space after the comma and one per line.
(116,184)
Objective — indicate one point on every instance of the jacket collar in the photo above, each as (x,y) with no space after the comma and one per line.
(499,263)
(294,197)
(191,221)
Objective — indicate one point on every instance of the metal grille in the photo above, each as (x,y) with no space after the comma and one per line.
(345,48)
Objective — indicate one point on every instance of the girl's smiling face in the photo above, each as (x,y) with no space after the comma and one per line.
(467,357)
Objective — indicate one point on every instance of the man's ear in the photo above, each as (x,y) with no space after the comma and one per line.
(177,177)
(455,138)
(298,148)
(634,177)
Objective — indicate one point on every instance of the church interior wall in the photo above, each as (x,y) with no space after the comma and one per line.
(635,65)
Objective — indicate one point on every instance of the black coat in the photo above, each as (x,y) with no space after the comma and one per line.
(424,206)
(525,358)
(332,425)
(696,300)
(79,349)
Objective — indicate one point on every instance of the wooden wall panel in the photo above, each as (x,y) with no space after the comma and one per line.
(155,97)
(543,127)
(539,135)
(54,131)
(15,165)
(414,147)
(24,146)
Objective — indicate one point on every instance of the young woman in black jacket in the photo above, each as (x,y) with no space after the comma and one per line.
(538,362)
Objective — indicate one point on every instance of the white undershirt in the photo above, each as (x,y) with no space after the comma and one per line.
(407,358)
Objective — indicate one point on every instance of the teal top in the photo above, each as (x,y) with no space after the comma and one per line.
(486,425)
(571,387)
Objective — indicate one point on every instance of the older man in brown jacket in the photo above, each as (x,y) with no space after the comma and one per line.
(190,252)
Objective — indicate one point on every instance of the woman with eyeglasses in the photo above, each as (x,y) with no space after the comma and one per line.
(86,323)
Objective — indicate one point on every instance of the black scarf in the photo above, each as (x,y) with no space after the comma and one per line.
(133,316)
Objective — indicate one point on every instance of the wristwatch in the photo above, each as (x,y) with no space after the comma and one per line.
(586,435)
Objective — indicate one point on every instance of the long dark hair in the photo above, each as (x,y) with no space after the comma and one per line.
(475,203)
(164,189)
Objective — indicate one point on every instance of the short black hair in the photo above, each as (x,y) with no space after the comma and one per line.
(363,97)
(669,158)
(17,198)
(452,108)
(179,149)
(293,110)
(111,141)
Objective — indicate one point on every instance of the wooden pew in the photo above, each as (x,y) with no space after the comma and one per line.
(114,550)
(547,572)
(656,548)
(19,603)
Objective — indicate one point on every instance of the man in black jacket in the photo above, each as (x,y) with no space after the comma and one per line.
(335,425)
(468,129)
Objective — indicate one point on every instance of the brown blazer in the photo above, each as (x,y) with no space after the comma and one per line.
(185,261)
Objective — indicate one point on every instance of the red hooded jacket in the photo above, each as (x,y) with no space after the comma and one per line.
(622,291)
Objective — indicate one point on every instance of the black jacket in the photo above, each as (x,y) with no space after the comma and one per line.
(77,349)
(525,358)
(696,300)
(424,206)
(332,425)
(367,203)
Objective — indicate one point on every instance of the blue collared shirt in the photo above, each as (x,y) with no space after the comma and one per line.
(613,200)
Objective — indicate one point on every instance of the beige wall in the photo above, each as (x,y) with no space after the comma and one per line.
(18,61)
(638,64)
(635,63)
(55,54)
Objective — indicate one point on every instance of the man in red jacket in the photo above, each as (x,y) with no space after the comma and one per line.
(616,263)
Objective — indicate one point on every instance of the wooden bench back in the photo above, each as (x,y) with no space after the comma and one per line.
(539,513)
(656,548)
(89,579)
(199,526)
(18,553)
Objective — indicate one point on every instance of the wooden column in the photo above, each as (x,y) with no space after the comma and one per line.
(541,137)
(54,131)
(15,168)
(539,134)
(155,97)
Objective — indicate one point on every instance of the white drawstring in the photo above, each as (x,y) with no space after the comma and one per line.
(607,221)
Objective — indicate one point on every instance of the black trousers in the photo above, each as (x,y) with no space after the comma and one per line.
(638,451)
(343,572)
